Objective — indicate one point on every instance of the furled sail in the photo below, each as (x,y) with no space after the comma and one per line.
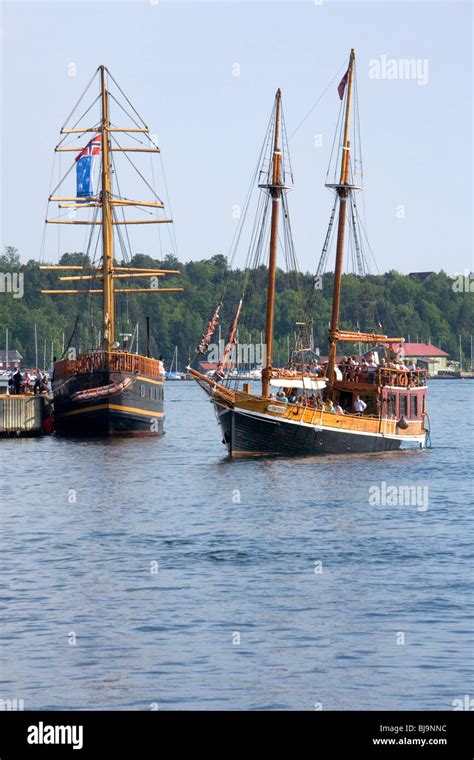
(231,341)
(207,335)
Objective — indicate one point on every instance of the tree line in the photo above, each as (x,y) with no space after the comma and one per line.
(421,311)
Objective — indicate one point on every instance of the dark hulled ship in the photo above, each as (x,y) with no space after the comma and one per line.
(113,393)
(370,403)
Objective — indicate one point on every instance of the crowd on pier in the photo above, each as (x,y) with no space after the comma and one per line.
(26,382)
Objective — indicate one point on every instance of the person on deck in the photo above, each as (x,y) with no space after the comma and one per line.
(363,371)
(359,405)
(371,369)
(338,408)
(353,368)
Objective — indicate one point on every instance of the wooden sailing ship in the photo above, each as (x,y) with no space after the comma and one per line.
(326,416)
(107,390)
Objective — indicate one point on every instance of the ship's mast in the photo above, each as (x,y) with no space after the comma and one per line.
(107,223)
(275,191)
(343,190)
(106,273)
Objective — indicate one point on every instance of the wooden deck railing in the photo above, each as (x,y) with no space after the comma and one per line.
(114,361)
(386,376)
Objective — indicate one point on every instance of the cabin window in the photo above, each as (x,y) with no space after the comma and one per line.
(392,405)
(142,391)
(403,405)
(414,406)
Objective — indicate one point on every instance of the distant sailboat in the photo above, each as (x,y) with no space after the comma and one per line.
(356,406)
(175,374)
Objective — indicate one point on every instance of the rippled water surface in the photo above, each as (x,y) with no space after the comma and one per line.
(238,546)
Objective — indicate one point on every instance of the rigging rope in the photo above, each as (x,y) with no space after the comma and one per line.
(81,97)
(128,101)
(344,65)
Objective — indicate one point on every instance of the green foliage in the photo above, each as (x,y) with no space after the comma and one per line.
(392,302)
(10,260)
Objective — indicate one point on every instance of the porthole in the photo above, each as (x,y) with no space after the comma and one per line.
(142,391)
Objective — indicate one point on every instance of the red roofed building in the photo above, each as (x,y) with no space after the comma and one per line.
(208,366)
(426,355)
(212,366)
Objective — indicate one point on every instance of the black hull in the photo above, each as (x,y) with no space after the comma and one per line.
(247,435)
(136,411)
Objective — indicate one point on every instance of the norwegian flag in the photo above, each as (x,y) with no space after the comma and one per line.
(92,148)
(342,85)
(85,162)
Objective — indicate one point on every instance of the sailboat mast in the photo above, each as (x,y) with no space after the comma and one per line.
(275,190)
(107,223)
(343,191)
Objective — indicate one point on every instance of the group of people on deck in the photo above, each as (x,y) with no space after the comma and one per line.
(355,368)
(19,382)
(289,396)
(313,367)
(364,368)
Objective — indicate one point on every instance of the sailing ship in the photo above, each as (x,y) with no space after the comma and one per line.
(107,390)
(345,406)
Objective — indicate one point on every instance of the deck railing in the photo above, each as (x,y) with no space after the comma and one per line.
(386,376)
(114,361)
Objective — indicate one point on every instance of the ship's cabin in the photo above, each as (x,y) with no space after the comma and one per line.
(390,393)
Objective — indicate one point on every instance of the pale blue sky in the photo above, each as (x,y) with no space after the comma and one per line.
(175,60)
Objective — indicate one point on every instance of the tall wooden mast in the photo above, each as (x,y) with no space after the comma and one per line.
(106,273)
(107,224)
(275,191)
(343,189)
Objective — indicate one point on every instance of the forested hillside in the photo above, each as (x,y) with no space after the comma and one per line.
(395,303)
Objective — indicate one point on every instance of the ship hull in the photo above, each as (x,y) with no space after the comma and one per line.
(246,435)
(135,411)
(255,426)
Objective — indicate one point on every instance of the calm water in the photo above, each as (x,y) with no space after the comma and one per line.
(230,568)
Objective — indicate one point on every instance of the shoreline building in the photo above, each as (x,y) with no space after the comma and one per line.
(10,359)
(426,355)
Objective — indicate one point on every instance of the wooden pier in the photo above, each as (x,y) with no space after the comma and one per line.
(25,415)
